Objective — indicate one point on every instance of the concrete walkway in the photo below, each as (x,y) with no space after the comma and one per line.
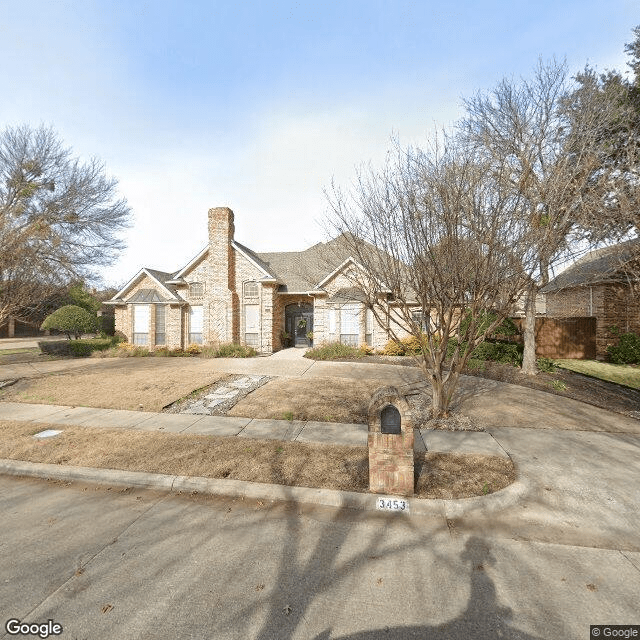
(329,433)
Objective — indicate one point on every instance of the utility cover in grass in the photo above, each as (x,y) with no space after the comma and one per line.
(48,433)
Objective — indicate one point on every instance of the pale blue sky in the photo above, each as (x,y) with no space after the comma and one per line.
(257,105)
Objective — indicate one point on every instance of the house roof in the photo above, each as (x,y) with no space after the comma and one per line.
(300,271)
(163,277)
(146,296)
(159,276)
(295,271)
(603,265)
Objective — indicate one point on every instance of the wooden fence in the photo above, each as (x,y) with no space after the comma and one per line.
(563,337)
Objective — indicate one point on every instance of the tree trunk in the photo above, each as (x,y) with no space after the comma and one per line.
(442,391)
(529,356)
(438,400)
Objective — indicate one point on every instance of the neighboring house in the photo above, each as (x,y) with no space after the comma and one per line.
(229,293)
(598,286)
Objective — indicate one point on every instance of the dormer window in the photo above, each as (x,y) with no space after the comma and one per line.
(250,289)
(196,289)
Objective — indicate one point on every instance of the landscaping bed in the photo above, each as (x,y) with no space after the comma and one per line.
(570,384)
(438,475)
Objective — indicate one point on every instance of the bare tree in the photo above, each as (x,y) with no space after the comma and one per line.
(619,97)
(442,254)
(554,148)
(59,217)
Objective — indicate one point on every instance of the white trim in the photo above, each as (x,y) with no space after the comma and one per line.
(143,271)
(251,260)
(192,263)
(350,259)
(315,292)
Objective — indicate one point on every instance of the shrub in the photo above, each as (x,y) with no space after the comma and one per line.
(55,348)
(365,350)
(499,352)
(229,350)
(81,348)
(393,348)
(333,351)
(627,351)
(71,319)
(547,365)
(78,348)
(126,350)
(107,324)
(193,349)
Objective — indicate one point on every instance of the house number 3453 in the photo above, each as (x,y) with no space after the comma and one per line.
(390,504)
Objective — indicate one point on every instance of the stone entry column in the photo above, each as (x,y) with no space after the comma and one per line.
(390,444)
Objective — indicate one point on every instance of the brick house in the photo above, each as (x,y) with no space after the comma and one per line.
(229,293)
(598,286)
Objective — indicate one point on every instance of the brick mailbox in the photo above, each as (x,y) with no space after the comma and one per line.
(390,444)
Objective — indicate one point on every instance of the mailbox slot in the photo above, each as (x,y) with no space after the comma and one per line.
(390,421)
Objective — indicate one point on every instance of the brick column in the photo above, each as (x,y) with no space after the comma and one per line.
(390,454)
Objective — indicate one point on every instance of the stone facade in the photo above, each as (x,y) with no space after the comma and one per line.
(615,306)
(233,288)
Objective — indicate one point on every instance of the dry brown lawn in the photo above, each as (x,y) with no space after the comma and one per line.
(276,462)
(149,389)
(324,399)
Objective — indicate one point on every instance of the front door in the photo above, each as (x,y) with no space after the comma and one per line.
(298,323)
(302,324)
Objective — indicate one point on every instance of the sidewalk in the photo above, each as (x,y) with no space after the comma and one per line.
(329,433)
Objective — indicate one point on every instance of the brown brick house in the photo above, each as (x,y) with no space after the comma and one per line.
(598,285)
(229,293)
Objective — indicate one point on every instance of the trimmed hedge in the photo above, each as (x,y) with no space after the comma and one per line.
(76,348)
(71,319)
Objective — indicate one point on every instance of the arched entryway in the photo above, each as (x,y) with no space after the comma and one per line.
(298,323)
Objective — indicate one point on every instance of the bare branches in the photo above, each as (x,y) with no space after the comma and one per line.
(59,218)
(435,233)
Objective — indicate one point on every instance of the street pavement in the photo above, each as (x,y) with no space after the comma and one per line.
(545,558)
(113,564)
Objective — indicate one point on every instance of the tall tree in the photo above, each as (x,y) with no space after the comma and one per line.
(554,154)
(435,235)
(60,218)
(619,134)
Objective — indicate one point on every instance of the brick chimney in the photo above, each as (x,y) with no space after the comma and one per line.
(221,229)
(222,295)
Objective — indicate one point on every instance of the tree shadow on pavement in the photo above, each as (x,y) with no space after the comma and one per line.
(483,618)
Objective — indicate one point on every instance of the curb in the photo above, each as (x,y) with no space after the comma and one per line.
(449,509)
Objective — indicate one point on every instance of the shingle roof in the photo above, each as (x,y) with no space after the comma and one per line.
(146,296)
(163,276)
(602,265)
(303,270)
(296,271)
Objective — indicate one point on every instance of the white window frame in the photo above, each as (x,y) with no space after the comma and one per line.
(251,289)
(368,328)
(141,320)
(332,321)
(196,313)
(161,328)
(350,319)
(252,325)
(196,289)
